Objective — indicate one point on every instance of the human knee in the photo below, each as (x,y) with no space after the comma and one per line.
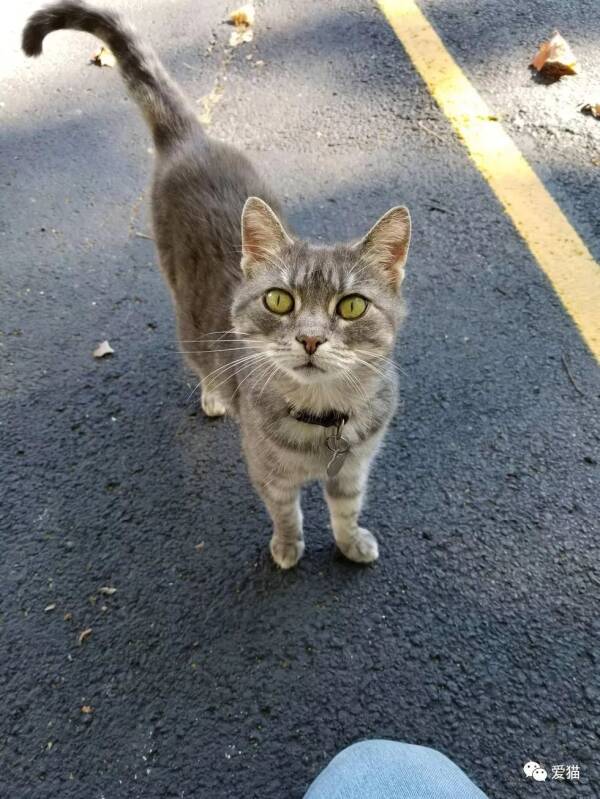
(380,750)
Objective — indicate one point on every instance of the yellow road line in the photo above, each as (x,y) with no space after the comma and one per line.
(555,245)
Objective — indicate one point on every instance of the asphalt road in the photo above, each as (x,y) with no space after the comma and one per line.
(210,673)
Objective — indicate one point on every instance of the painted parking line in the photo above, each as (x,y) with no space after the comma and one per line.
(555,245)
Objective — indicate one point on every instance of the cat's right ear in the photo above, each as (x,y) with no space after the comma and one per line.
(263,235)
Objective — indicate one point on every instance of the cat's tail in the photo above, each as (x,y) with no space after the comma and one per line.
(167,112)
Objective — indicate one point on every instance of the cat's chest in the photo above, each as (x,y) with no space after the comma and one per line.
(317,444)
(309,450)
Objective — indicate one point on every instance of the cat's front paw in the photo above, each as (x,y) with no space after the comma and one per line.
(286,553)
(361,546)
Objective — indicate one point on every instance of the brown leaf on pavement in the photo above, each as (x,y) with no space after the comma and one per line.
(555,58)
(243,20)
(240,35)
(103,58)
(242,17)
(592,109)
(103,349)
(83,635)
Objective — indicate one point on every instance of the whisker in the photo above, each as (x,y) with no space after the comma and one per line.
(196,387)
(227,349)
(235,372)
(221,333)
(215,340)
(373,368)
(256,368)
(231,365)
(354,381)
(386,360)
(275,369)
(347,374)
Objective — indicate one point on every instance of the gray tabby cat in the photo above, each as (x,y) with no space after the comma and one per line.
(292,339)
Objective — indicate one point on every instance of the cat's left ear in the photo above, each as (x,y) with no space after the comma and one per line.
(386,245)
(263,235)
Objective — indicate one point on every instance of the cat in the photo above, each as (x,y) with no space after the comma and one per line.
(293,340)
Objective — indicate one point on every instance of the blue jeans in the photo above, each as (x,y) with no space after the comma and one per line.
(391,770)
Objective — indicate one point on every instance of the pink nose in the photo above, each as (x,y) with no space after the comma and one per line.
(310,343)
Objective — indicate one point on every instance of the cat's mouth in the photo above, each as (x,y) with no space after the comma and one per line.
(308,365)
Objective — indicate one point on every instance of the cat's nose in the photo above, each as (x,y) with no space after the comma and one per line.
(311,343)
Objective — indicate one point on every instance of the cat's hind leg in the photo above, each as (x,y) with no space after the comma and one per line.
(211,401)
(213,374)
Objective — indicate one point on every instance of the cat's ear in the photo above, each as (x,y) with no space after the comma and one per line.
(263,235)
(386,245)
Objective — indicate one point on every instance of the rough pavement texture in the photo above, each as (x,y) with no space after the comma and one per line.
(210,673)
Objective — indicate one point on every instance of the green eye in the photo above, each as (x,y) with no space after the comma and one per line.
(279,301)
(352,307)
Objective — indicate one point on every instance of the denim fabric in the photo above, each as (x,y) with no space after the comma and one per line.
(392,770)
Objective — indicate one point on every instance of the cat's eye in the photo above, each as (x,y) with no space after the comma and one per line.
(352,307)
(279,301)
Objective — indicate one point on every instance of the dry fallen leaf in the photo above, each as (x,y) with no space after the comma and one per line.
(555,58)
(83,635)
(209,101)
(199,547)
(103,58)
(107,590)
(593,109)
(240,35)
(103,349)
(242,17)
(87,709)
(49,607)
(243,20)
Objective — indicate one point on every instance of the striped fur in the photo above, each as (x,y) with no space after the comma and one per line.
(221,249)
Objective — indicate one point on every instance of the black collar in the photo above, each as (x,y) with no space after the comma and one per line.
(328,419)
